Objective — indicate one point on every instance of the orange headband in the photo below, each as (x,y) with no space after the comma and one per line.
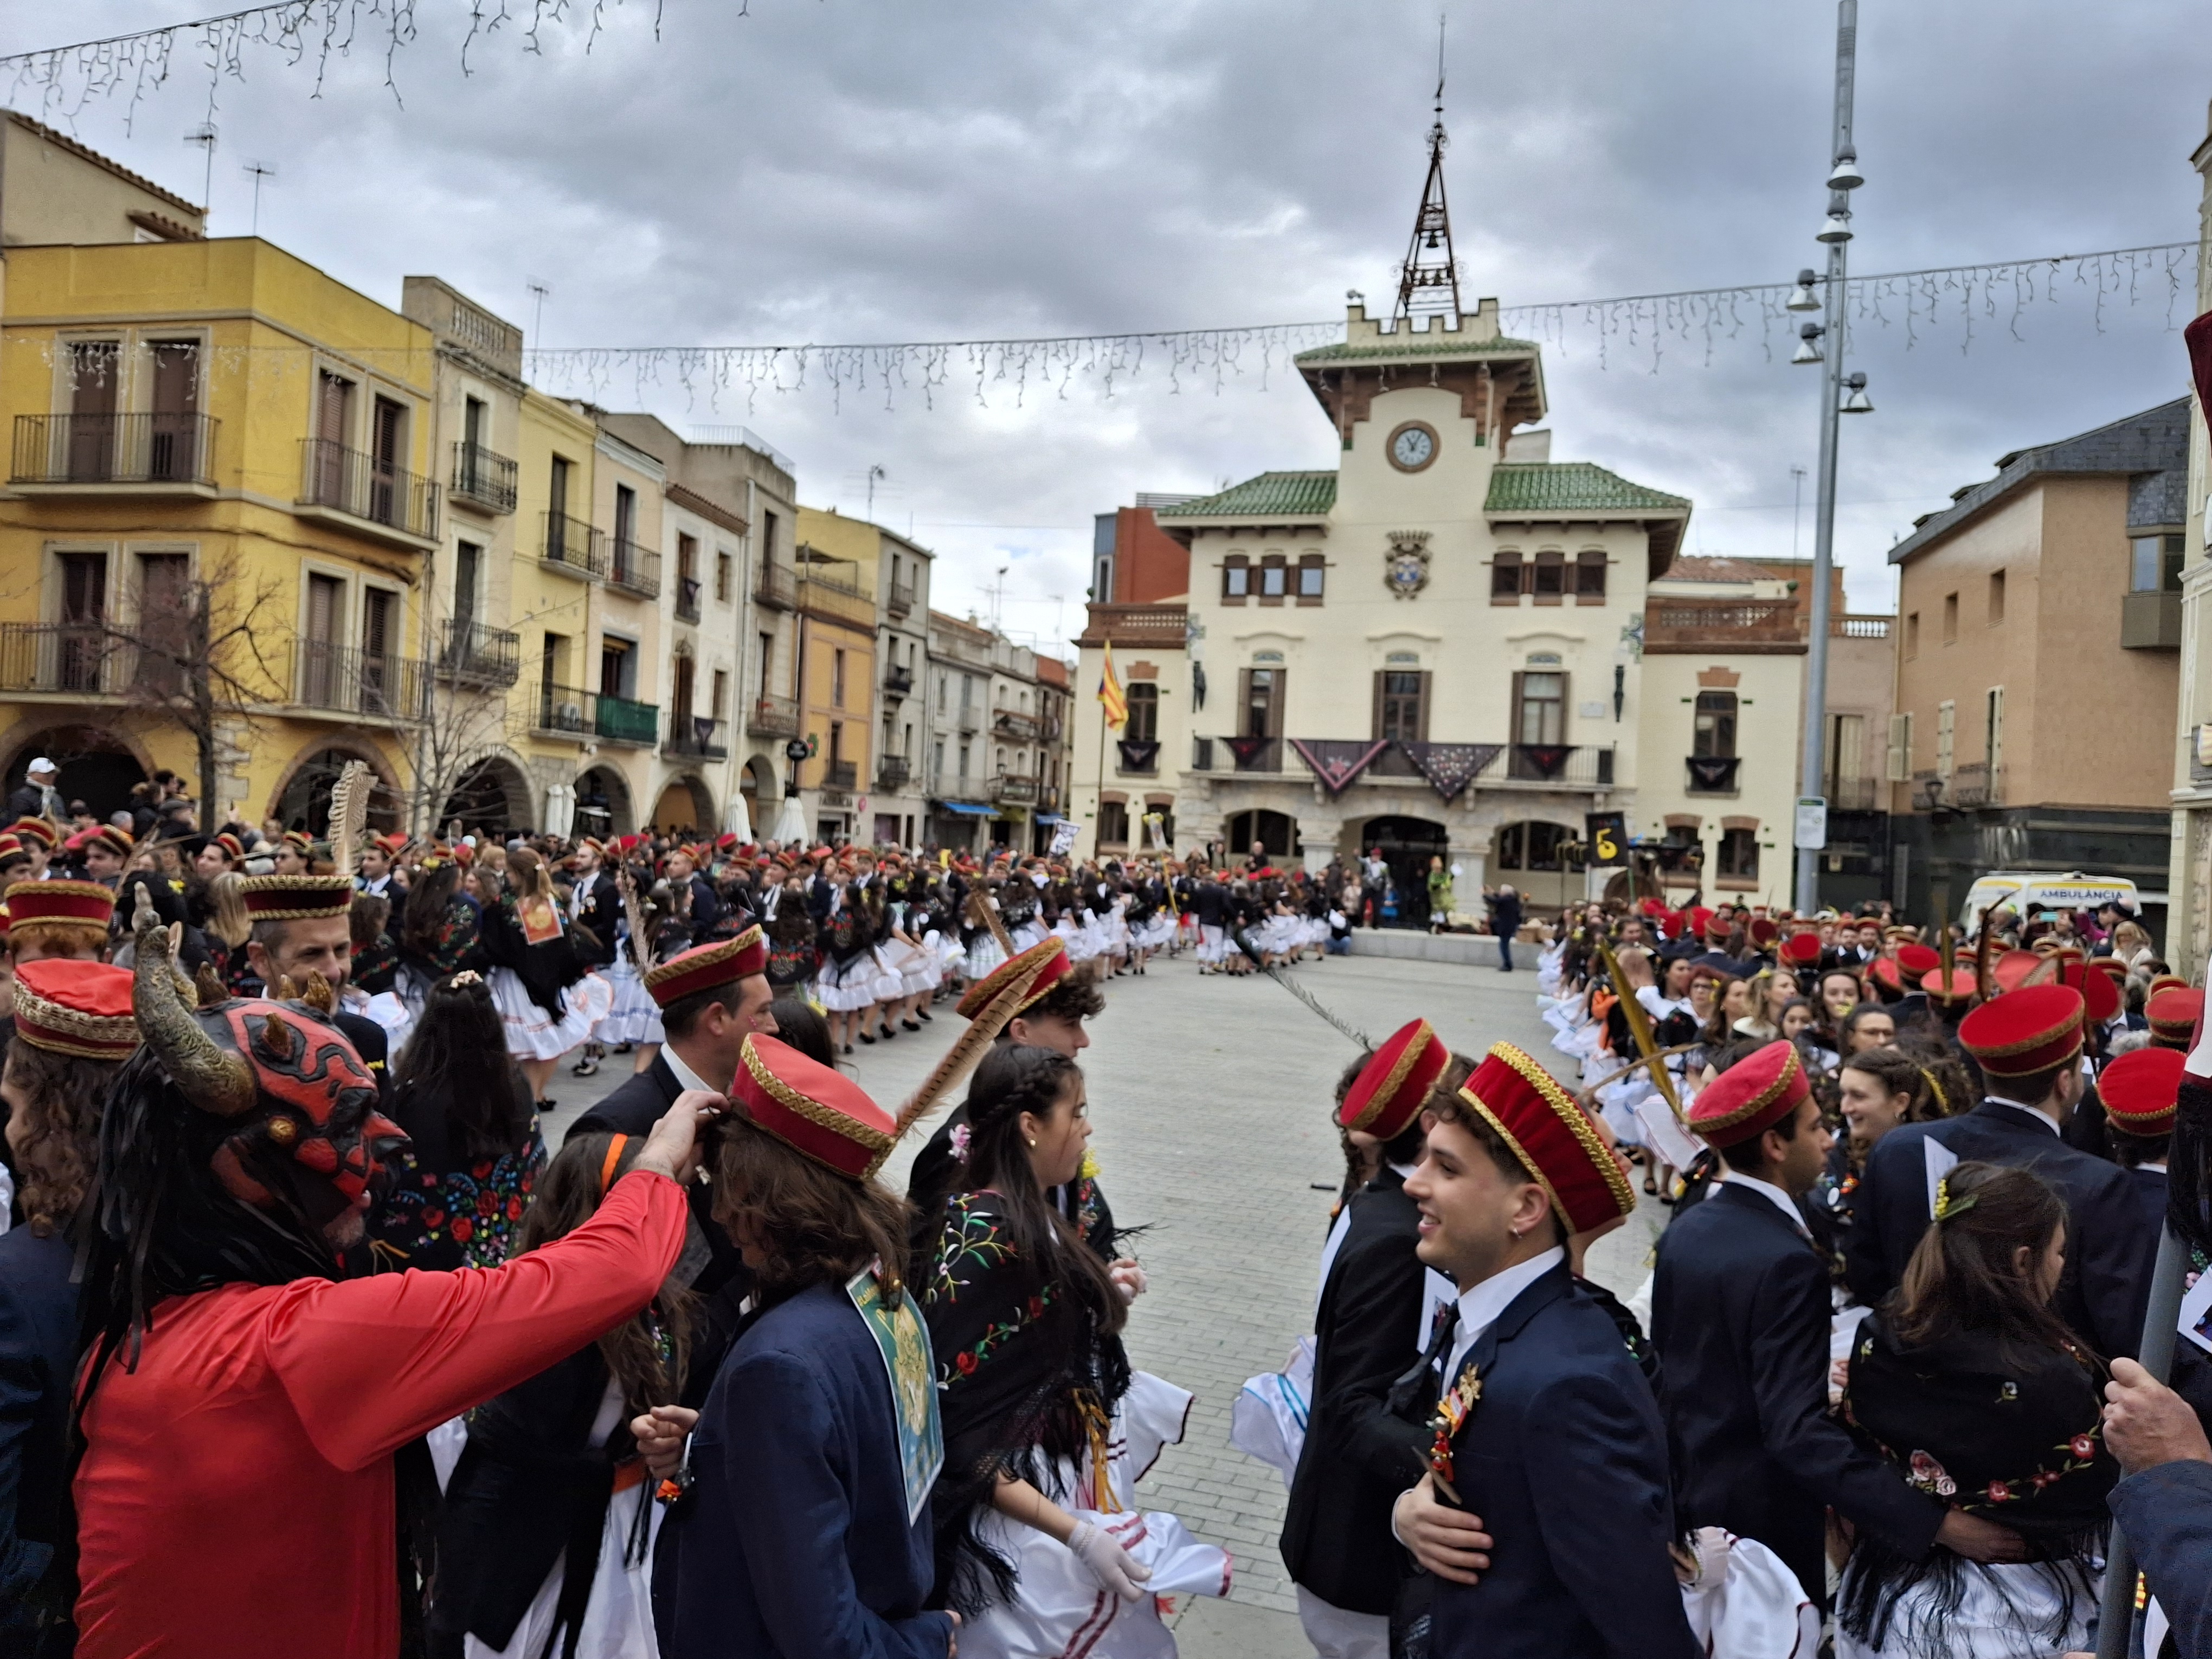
(614,1158)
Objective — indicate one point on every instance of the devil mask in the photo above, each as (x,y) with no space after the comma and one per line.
(301,1105)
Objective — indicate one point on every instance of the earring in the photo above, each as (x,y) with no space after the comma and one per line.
(1032,1140)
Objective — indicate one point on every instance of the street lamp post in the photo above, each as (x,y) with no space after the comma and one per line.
(1836,231)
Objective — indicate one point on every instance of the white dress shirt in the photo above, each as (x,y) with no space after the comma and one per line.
(1479,1305)
(686,1077)
(1772,1194)
(2033,1114)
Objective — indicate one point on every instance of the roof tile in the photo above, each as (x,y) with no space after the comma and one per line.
(1271,495)
(1570,486)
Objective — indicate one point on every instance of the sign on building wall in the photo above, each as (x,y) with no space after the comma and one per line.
(1606,833)
(1811,835)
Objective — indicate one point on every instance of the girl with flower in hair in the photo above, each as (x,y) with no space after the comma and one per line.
(1982,1397)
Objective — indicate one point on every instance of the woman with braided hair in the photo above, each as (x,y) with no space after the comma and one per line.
(1047,1429)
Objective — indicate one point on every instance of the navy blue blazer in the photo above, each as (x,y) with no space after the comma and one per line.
(794,1542)
(2166,1513)
(1564,1458)
(38,1354)
(2109,1249)
(1740,1316)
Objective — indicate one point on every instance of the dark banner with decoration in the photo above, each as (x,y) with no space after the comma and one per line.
(1336,762)
(1140,754)
(1606,838)
(1450,767)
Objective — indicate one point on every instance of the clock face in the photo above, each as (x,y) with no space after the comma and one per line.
(1412,447)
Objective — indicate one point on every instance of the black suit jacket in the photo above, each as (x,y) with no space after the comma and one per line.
(1740,1313)
(37,1351)
(1358,1454)
(2109,1249)
(1564,1458)
(632,1108)
(2166,1513)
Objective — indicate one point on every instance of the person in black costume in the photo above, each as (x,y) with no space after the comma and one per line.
(548,1509)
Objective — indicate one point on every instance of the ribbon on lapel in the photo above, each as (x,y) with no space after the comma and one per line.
(1337,762)
(1450,767)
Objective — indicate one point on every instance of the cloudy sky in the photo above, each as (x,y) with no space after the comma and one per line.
(803,171)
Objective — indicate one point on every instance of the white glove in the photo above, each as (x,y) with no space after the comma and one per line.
(1113,1567)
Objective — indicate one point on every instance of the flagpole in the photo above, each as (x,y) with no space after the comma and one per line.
(1099,792)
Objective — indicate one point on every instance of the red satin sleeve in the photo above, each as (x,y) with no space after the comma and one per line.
(369,1363)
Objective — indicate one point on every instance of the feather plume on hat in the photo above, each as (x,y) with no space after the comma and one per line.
(349,816)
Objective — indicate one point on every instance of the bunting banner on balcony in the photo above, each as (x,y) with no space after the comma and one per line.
(702,731)
(1247,750)
(1543,760)
(1140,754)
(1450,767)
(1338,762)
(1712,773)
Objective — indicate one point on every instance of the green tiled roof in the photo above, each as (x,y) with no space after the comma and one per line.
(1549,488)
(1270,495)
(1435,343)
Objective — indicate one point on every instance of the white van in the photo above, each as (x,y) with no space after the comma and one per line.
(2024,890)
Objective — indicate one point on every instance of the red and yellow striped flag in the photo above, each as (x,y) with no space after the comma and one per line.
(1110,693)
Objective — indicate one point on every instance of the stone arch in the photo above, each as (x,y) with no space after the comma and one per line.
(1528,854)
(603,803)
(301,797)
(1408,843)
(685,804)
(1276,832)
(491,796)
(98,766)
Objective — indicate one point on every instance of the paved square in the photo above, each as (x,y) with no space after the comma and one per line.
(1211,1101)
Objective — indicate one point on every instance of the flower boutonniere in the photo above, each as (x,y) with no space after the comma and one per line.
(1451,1415)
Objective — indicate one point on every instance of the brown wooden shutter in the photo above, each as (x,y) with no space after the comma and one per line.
(1278,698)
(1421,720)
(1240,725)
(1375,721)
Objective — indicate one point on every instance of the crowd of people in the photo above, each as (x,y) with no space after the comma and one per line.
(310,1342)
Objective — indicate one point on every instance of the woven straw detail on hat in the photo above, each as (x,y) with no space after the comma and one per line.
(835,1136)
(1390,1088)
(2172,1014)
(1752,1096)
(2139,1090)
(706,966)
(80,1008)
(2024,1031)
(60,903)
(1551,1135)
(1051,950)
(297,898)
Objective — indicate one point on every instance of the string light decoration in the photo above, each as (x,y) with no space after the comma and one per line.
(2003,293)
(65,81)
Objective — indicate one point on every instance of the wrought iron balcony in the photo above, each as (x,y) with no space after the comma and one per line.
(687,599)
(897,682)
(573,547)
(774,717)
(1558,765)
(93,450)
(341,680)
(563,710)
(840,774)
(471,654)
(483,478)
(1013,790)
(633,570)
(337,479)
(900,599)
(570,711)
(1017,724)
(619,720)
(892,773)
(699,736)
(78,658)
(775,587)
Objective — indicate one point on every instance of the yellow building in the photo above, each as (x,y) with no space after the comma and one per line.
(836,668)
(220,506)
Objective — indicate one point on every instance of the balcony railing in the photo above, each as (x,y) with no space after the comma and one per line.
(774,717)
(892,773)
(1976,785)
(1855,794)
(897,682)
(68,657)
(1014,791)
(573,547)
(775,588)
(618,720)
(687,599)
(565,710)
(840,774)
(900,599)
(483,478)
(1560,766)
(633,570)
(1162,626)
(363,486)
(473,655)
(700,736)
(1017,724)
(339,679)
(1772,624)
(1860,627)
(114,449)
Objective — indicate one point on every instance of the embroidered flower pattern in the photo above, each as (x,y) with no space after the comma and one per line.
(1925,1473)
(970,1246)
(479,1209)
(960,1138)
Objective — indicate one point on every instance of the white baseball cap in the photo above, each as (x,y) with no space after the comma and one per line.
(42,764)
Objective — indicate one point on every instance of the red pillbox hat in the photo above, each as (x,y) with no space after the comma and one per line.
(2174,1015)
(1553,1137)
(812,1108)
(1387,1095)
(2024,1031)
(704,967)
(1752,1096)
(2139,1088)
(1047,958)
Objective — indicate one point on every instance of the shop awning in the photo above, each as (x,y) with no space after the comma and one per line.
(963,807)
(1050,818)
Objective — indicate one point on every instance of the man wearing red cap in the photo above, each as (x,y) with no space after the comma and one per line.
(1740,1310)
(1545,1435)
(2028,1044)
(1370,1328)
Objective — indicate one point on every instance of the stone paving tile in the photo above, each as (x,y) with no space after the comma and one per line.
(1211,1098)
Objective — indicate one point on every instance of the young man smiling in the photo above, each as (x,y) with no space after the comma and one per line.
(1545,1517)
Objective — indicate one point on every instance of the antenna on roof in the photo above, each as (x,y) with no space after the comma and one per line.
(204,136)
(1428,280)
(261,172)
(539,288)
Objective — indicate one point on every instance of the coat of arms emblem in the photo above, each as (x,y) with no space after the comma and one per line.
(1406,567)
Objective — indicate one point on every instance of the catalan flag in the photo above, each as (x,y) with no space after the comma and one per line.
(1110,693)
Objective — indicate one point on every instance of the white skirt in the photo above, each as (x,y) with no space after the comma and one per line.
(851,987)
(531,1033)
(2006,1612)
(632,1015)
(1058,1609)
(1030,932)
(983,955)
(618,1618)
